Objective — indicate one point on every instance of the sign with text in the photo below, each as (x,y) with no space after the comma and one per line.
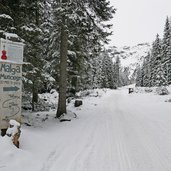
(10,91)
(14,50)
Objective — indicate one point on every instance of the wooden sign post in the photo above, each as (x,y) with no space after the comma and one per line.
(10,82)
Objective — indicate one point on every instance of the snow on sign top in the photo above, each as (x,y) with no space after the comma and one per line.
(14,50)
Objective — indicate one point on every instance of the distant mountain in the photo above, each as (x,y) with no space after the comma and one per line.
(131,57)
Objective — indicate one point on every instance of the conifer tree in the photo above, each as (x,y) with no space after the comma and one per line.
(160,77)
(155,59)
(81,20)
(139,77)
(166,51)
(117,72)
(108,80)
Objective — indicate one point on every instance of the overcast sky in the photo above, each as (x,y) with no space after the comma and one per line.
(138,21)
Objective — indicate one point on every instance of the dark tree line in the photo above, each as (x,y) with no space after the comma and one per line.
(156,68)
(64,42)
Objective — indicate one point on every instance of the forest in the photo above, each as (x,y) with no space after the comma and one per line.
(66,48)
(64,45)
(156,68)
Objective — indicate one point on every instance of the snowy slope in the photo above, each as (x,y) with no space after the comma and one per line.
(131,57)
(104,137)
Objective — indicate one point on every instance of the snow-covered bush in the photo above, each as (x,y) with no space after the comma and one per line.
(169,100)
(162,91)
(91,93)
(148,90)
(46,101)
(143,90)
(139,90)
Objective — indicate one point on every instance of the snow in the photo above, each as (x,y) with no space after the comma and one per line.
(133,56)
(14,128)
(51,98)
(113,131)
(9,35)
(5,16)
(10,61)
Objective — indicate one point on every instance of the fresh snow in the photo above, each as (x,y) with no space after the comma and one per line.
(13,129)
(5,16)
(115,131)
(132,56)
(11,35)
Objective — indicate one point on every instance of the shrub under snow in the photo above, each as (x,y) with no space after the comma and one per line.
(162,91)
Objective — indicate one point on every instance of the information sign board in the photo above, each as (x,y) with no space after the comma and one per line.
(11,60)
(14,50)
(10,92)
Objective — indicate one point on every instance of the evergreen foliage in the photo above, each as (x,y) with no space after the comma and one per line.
(156,69)
(39,24)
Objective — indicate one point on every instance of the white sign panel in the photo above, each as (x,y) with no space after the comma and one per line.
(10,91)
(14,50)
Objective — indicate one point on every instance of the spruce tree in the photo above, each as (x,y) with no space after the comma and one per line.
(166,51)
(82,21)
(117,72)
(155,59)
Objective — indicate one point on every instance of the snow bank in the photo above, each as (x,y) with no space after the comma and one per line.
(162,91)
(155,90)
(11,131)
(50,98)
(91,93)
(11,35)
(115,132)
(12,158)
(5,16)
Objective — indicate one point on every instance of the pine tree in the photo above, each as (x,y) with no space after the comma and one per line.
(81,20)
(117,72)
(147,71)
(29,20)
(139,77)
(108,80)
(166,51)
(155,59)
(160,77)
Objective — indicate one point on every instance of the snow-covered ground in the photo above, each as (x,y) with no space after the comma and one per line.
(114,132)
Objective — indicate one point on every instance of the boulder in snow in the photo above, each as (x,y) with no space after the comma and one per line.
(78,103)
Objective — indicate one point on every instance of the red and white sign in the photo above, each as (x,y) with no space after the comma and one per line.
(12,51)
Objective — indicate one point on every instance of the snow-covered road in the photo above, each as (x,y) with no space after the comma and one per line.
(118,132)
(122,133)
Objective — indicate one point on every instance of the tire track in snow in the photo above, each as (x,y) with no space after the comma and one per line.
(117,136)
(124,162)
(51,159)
(83,141)
(82,159)
(152,157)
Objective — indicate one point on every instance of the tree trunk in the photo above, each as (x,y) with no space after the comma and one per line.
(63,72)
(34,96)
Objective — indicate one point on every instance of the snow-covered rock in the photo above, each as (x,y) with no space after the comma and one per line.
(162,91)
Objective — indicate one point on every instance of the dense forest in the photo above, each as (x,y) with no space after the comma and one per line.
(65,48)
(156,68)
(64,44)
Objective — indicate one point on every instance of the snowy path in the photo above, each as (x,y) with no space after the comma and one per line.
(121,133)
(117,132)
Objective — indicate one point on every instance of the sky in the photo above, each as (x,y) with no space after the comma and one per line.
(138,21)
